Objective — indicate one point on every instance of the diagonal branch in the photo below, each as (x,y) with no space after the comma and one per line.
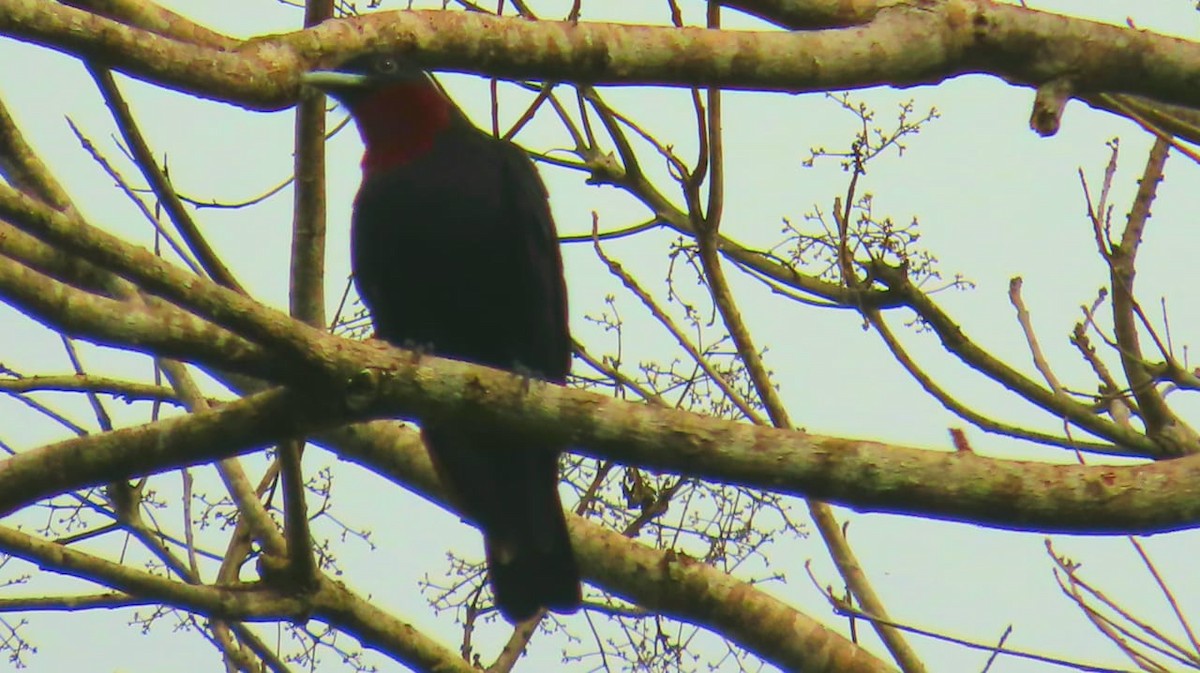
(242,603)
(161,328)
(661,580)
(67,231)
(330,602)
(157,179)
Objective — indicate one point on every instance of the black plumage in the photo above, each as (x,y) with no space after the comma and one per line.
(454,251)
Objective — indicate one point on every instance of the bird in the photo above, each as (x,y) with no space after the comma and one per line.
(454,252)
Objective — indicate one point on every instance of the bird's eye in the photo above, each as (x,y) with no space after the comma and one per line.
(387,65)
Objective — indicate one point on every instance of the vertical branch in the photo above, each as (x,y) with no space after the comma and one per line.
(710,259)
(716,144)
(1161,423)
(302,564)
(306,292)
(307,289)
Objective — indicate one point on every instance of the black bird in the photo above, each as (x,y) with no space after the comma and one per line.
(454,250)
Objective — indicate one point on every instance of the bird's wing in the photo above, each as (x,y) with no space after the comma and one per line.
(529,202)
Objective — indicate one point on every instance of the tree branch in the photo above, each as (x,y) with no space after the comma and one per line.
(903,45)
(660,580)
(240,603)
(381,381)
(163,329)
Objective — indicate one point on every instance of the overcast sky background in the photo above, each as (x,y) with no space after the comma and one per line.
(994,201)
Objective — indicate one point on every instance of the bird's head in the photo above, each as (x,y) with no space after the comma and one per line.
(398,108)
(357,78)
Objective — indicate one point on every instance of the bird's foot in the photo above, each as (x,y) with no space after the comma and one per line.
(527,376)
(417,350)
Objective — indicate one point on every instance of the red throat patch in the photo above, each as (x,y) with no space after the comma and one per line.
(399,123)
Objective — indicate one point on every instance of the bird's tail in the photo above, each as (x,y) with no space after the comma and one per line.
(511,491)
(531,565)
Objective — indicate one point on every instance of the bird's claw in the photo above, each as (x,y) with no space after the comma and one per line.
(527,376)
(417,350)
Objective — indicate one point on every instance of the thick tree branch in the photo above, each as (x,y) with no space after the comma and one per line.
(99,459)
(163,329)
(381,381)
(380,630)
(227,308)
(46,259)
(156,19)
(23,168)
(679,586)
(906,44)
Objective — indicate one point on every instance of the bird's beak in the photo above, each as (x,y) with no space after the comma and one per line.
(333,80)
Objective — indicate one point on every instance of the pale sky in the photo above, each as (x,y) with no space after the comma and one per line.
(994,201)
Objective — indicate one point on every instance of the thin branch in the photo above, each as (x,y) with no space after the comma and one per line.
(174,244)
(957,342)
(1035,348)
(666,321)
(1019,654)
(307,295)
(953,405)
(105,601)
(1173,436)
(1168,595)
(826,522)
(158,181)
(119,388)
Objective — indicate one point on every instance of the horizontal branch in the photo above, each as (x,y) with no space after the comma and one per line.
(665,580)
(906,44)
(373,380)
(105,601)
(85,383)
